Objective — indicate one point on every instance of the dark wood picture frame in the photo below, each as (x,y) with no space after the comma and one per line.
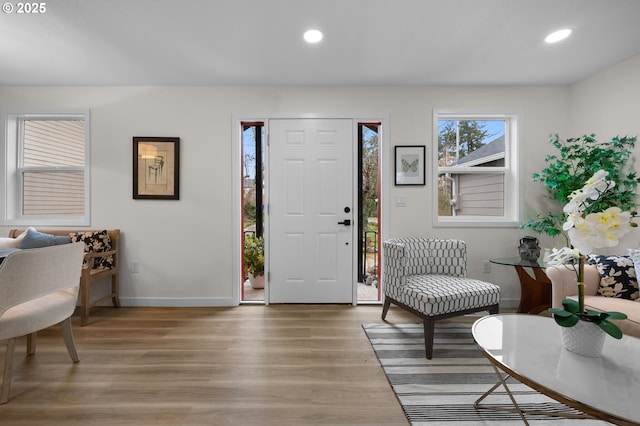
(156,168)
(410,167)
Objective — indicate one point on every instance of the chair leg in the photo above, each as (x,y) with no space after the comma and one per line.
(85,307)
(6,375)
(114,291)
(31,343)
(67,335)
(385,307)
(429,331)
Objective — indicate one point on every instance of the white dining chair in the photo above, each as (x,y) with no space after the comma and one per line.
(38,289)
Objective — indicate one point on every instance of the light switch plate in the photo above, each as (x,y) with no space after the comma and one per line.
(401,201)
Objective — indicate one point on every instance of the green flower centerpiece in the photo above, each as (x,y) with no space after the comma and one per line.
(587,231)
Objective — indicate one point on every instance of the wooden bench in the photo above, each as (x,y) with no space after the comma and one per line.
(90,274)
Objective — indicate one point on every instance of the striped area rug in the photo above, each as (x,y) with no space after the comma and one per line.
(441,391)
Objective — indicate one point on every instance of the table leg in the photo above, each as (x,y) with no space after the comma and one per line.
(502,381)
(535,292)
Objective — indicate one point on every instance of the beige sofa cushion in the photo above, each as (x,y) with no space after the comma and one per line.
(630,326)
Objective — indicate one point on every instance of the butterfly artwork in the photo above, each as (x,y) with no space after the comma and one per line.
(410,166)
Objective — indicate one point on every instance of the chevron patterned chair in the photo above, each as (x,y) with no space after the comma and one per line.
(428,277)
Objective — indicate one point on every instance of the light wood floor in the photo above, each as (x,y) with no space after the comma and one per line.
(366,293)
(248,365)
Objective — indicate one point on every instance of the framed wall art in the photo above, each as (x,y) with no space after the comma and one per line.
(410,167)
(156,168)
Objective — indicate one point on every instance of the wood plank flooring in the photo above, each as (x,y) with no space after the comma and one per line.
(248,365)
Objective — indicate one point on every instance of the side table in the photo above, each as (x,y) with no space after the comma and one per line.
(535,291)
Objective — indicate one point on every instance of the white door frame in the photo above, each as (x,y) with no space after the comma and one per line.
(384,148)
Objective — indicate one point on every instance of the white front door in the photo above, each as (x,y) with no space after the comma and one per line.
(311,212)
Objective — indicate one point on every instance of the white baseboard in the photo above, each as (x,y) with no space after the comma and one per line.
(509,303)
(181,303)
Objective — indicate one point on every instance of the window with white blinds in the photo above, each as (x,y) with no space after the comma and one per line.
(50,177)
(52,167)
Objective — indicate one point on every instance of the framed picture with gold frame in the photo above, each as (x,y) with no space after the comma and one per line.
(156,168)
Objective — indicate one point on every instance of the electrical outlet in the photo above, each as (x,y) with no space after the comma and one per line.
(135,266)
(486,266)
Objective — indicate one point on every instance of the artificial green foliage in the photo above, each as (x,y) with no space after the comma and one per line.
(254,255)
(570,315)
(577,160)
(545,223)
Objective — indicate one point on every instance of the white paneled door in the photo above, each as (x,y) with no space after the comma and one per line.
(311,211)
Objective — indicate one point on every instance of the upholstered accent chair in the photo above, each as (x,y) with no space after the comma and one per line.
(102,260)
(38,289)
(428,277)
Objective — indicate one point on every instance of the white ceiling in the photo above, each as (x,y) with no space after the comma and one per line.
(367,42)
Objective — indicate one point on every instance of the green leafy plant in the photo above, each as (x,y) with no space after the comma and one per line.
(577,160)
(254,255)
(570,315)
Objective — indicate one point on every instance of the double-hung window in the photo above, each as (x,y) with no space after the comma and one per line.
(475,169)
(46,169)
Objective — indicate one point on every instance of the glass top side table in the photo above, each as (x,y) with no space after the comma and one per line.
(535,291)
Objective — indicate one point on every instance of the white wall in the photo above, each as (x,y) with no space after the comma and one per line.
(607,104)
(184,247)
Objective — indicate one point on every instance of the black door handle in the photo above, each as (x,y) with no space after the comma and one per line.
(346,222)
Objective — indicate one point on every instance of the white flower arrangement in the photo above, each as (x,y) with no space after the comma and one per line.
(596,230)
(585,233)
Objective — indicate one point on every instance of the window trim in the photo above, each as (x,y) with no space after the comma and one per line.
(10,172)
(511,170)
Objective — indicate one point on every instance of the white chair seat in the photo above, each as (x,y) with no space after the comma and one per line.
(27,317)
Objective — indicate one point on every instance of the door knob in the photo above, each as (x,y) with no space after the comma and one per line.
(346,222)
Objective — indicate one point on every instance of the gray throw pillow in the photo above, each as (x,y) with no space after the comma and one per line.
(35,239)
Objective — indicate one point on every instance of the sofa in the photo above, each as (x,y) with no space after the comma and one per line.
(563,285)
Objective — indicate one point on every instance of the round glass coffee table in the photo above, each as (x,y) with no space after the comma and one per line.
(528,348)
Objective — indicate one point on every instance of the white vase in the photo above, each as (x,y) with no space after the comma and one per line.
(585,338)
(256,282)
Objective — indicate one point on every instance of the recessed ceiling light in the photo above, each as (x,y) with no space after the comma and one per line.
(312,36)
(556,36)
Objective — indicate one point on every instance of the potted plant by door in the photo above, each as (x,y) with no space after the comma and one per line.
(254,260)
